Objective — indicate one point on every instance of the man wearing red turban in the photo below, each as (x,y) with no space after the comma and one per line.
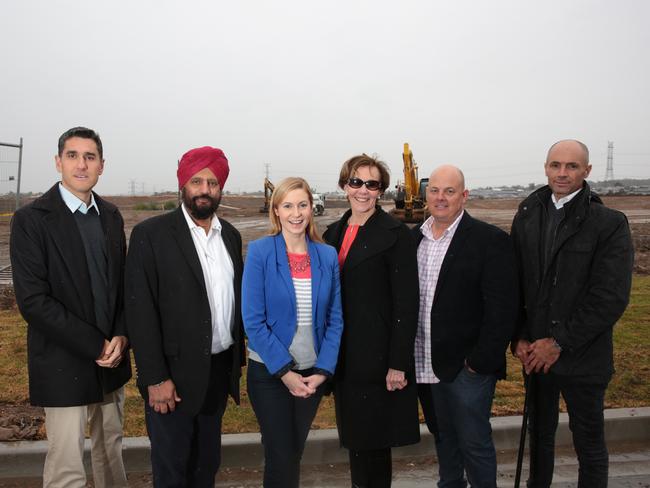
(183,280)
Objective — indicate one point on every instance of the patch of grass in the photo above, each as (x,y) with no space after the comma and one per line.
(630,386)
(13,357)
(166,205)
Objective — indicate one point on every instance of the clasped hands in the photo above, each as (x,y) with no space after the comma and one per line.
(302,386)
(537,356)
(113,352)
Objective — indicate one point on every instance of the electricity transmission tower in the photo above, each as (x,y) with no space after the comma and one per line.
(609,173)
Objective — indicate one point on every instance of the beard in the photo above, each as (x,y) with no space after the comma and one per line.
(203,211)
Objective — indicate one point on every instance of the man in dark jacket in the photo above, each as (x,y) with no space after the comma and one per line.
(183,310)
(67,256)
(468,307)
(575,262)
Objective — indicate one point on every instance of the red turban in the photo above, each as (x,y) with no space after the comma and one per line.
(197,159)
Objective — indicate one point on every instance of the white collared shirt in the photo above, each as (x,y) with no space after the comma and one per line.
(431,254)
(74,203)
(218,273)
(564,200)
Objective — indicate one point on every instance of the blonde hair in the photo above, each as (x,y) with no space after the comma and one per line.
(279,193)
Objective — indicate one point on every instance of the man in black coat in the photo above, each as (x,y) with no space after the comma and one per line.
(575,262)
(67,256)
(183,308)
(468,307)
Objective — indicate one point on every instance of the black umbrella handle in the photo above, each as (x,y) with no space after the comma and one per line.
(528,384)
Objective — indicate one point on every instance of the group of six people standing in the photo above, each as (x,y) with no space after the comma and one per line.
(379,314)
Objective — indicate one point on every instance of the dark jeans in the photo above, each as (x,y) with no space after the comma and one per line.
(371,468)
(186,449)
(284,423)
(585,404)
(464,444)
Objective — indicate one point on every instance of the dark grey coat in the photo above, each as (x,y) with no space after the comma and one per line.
(54,295)
(380,309)
(585,286)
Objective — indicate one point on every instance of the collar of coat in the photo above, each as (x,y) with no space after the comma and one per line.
(378,234)
(577,208)
(379,218)
(52,201)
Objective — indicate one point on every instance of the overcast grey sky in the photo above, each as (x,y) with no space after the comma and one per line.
(485,85)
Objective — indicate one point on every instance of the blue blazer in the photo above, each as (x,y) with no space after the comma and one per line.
(269,309)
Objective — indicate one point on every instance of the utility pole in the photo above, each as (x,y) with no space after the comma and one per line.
(20,164)
(609,173)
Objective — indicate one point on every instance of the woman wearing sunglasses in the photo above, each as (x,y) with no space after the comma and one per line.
(291,307)
(375,390)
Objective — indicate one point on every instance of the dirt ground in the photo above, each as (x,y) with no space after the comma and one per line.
(244,213)
(24,422)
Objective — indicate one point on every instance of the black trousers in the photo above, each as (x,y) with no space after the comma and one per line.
(186,449)
(585,403)
(372,468)
(284,423)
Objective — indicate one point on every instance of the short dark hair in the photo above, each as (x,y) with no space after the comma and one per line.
(84,133)
(356,162)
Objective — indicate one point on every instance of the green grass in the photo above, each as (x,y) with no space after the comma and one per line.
(630,386)
(166,205)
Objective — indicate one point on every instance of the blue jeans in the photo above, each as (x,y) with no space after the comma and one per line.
(585,403)
(464,444)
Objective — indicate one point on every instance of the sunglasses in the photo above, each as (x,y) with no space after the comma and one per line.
(370,184)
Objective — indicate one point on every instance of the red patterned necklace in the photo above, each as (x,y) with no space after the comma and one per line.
(299,263)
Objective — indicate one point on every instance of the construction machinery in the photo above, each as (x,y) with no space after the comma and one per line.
(410,195)
(268,191)
(318,204)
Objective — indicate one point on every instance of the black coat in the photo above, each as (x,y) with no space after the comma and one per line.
(167,309)
(475,302)
(379,290)
(585,286)
(54,295)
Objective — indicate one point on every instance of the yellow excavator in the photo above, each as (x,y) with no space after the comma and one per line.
(268,191)
(410,195)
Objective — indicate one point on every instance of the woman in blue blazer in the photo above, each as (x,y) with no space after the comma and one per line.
(291,307)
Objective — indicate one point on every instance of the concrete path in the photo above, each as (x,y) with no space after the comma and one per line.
(325,463)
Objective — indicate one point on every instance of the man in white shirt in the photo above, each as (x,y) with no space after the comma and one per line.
(183,282)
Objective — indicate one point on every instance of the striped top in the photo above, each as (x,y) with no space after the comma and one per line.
(302,348)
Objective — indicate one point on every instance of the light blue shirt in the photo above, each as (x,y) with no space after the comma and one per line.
(74,203)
